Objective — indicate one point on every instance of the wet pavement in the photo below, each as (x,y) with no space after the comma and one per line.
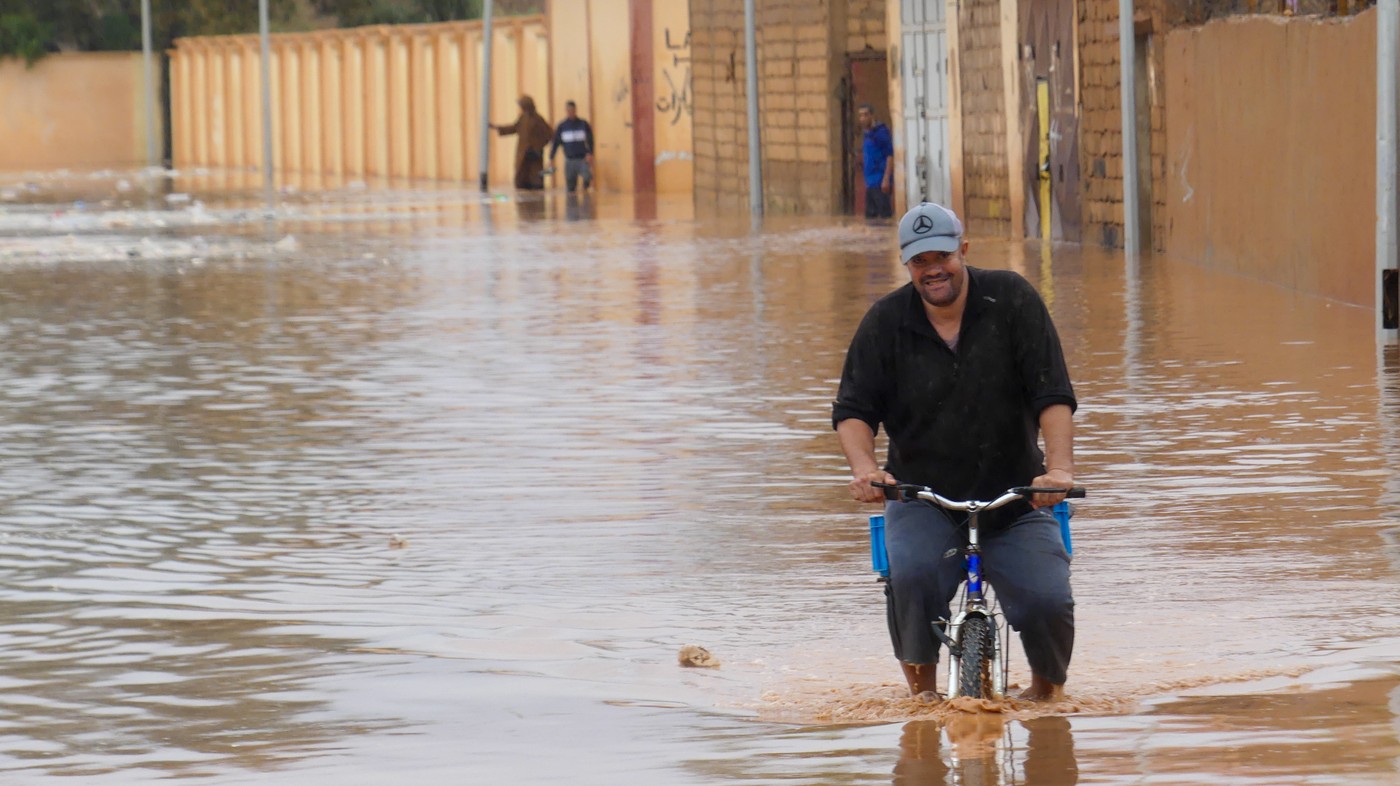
(416,484)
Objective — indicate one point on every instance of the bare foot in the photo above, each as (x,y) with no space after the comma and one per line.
(1042,689)
(922,677)
(929,697)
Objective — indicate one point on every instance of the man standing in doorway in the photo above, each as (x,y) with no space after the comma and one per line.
(576,137)
(878,157)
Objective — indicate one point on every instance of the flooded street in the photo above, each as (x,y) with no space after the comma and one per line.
(416,486)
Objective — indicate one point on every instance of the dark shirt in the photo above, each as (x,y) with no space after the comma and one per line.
(576,136)
(878,148)
(964,422)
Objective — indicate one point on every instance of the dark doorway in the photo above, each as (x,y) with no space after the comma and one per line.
(867,82)
(1047,76)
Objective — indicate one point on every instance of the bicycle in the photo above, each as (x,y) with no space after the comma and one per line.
(977,636)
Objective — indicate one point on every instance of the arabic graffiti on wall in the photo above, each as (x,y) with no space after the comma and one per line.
(675,97)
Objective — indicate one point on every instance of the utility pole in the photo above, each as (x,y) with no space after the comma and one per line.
(1127,62)
(751,71)
(1387,39)
(152,152)
(265,66)
(485,91)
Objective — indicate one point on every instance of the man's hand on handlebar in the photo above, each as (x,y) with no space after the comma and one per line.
(862,491)
(1055,479)
(913,492)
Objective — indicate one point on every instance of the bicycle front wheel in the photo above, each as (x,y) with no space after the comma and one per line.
(978,641)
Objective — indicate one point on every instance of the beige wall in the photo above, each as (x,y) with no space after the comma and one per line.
(610,66)
(721,141)
(674,97)
(591,62)
(570,36)
(398,102)
(1101,118)
(801,47)
(1284,191)
(894,32)
(73,110)
(865,25)
(986,171)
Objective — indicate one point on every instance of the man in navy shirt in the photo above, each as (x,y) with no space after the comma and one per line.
(878,156)
(575,135)
(964,369)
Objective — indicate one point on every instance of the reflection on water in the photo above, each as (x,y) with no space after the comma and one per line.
(987,749)
(602,429)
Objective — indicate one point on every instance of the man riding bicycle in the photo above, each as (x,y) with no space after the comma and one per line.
(964,369)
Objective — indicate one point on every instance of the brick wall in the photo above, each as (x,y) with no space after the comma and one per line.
(800,51)
(1101,120)
(717,82)
(986,184)
(865,25)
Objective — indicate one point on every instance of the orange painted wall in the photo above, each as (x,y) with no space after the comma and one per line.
(399,102)
(73,110)
(1271,149)
(674,97)
(590,62)
(610,69)
(404,101)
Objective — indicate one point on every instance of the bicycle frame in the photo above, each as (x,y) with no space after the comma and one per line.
(975,603)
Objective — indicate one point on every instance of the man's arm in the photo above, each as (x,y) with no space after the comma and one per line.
(554,144)
(858,443)
(588,137)
(861,404)
(1057,429)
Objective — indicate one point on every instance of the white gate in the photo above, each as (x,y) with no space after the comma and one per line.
(924,74)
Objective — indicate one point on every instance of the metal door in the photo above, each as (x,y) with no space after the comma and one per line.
(1051,173)
(924,76)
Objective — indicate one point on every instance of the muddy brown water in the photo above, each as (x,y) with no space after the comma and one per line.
(409,485)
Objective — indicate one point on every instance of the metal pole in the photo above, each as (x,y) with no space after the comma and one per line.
(1387,33)
(751,71)
(1127,61)
(485,90)
(265,66)
(152,154)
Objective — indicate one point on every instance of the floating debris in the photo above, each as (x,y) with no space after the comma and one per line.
(695,656)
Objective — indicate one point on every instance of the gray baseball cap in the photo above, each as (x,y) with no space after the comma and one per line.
(928,227)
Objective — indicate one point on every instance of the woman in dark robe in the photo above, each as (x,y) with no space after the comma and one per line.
(534,133)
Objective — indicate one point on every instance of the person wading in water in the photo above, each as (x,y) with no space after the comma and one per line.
(964,369)
(534,133)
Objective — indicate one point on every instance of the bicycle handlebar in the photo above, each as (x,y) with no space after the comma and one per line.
(912,491)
